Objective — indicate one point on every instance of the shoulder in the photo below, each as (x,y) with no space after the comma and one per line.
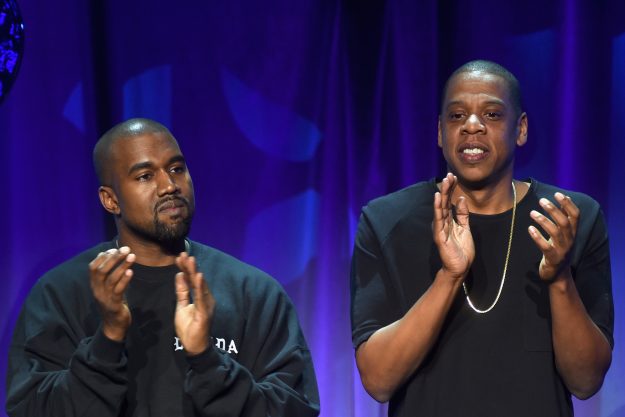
(383,214)
(409,198)
(227,271)
(591,222)
(75,267)
(67,280)
(583,201)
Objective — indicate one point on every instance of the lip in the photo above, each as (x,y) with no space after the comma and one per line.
(471,158)
(171,206)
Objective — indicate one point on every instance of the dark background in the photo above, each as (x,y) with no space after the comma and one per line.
(292,115)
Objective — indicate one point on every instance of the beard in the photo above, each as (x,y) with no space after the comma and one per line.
(166,233)
(171,233)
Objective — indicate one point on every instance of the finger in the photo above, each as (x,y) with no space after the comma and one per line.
(446,188)
(547,225)
(97,262)
(200,292)
(439,225)
(559,218)
(100,267)
(112,258)
(186,263)
(191,265)
(180,259)
(569,208)
(123,264)
(122,283)
(462,212)
(182,291)
(542,243)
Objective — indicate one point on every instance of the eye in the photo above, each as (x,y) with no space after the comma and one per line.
(456,115)
(493,115)
(146,176)
(178,169)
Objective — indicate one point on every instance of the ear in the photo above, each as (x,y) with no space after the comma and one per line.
(440,133)
(108,199)
(522,130)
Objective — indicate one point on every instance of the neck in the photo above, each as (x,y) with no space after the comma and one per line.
(150,253)
(494,198)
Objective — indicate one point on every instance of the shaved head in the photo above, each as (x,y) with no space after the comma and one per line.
(490,67)
(103,149)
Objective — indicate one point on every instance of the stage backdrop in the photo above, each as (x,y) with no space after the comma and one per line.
(293,114)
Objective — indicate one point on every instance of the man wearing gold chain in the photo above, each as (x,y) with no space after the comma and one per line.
(478,294)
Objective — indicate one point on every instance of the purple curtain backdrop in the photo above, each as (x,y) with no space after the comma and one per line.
(293,114)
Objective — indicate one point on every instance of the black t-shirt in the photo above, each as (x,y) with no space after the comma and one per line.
(493,364)
(159,374)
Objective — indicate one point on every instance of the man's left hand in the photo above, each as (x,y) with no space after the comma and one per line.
(561,229)
(192,320)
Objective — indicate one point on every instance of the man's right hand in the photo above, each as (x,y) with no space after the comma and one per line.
(110,275)
(452,237)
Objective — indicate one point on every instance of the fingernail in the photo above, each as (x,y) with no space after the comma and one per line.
(535,214)
(124,249)
(131,257)
(545,202)
(559,196)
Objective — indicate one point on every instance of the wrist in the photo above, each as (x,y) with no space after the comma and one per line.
(451,276)
(449,279)
(562,282)
(197,349)
(115,333)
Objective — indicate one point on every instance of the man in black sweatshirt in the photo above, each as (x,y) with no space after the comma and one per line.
(152,323)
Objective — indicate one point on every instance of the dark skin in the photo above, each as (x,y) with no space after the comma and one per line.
(150,184)
(478,131)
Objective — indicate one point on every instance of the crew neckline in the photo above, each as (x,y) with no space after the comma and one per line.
(507,213)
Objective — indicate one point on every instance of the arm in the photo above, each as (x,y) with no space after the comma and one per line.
(279,380)
(582,352)
(55,367)
(395,351)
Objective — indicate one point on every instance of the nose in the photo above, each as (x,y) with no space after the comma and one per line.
(166,184)
(473,124)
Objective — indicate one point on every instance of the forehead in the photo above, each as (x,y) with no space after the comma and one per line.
(152,148)
(477,85)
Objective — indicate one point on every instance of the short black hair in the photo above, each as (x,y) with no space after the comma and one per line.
(129,128)
(489,67)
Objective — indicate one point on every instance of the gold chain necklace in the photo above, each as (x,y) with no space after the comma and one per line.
(505,267)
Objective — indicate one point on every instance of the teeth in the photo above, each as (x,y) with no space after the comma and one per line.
(473,151)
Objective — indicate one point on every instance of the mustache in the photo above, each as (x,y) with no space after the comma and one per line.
(173,201)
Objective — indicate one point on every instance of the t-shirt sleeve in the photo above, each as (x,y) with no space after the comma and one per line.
(592,273)
(372,305)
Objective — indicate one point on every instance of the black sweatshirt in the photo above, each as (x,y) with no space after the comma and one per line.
(61,364)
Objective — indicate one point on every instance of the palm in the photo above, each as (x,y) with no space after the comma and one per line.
(452,236)
(456,248)
(187,322)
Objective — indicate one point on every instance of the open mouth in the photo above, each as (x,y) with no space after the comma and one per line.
(473,152)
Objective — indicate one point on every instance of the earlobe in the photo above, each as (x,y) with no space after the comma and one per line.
(440,133)
(108,199)
(522,129)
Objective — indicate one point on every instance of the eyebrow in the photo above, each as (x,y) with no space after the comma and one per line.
(148,164)
(487,102)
